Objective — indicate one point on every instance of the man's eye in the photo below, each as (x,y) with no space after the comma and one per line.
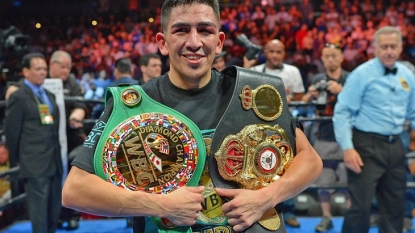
(180,30)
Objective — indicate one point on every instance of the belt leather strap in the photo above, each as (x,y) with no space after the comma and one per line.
(236,117)
(123,121)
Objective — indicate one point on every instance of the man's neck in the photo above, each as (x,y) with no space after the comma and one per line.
(145,78)
(334,74)
(123,76)
(189,83)
(273,67)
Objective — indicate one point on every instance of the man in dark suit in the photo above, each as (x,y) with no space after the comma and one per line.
(31,129)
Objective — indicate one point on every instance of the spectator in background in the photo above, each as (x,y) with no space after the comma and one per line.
(31,129)
(274,51)
(307,12)
(219,62)
(367,127)
(258,15)
(270,17)
(150,66)
(123,75)
(60,65)
(123,72)
(324,90)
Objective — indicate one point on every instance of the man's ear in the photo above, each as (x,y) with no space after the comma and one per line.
(142,68)
(25,71)
(161,41)
(219,46)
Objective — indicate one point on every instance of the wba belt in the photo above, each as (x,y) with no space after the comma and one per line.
(146,146)
(255,139)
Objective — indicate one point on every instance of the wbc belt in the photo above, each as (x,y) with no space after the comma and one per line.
(146,146)
(254,143)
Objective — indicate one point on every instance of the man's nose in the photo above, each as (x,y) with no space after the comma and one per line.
(194,40)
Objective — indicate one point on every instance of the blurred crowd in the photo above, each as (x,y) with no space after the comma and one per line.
(303,26)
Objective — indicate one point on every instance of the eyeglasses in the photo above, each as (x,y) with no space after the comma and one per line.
(333,46)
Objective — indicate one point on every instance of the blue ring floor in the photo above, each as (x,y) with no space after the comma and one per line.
(119,225)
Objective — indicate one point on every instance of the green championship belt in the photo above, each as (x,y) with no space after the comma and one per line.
(146,146)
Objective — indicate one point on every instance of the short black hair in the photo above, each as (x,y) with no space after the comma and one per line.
(145,59)
(123,65)
(168,5)
(28,58)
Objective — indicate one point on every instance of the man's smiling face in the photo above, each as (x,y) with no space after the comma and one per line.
(191,40)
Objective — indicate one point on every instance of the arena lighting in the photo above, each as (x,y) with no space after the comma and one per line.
(94,23)
(17,3)
(38,25)
(150,20)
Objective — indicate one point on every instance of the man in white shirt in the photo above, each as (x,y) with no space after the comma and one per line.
(274,52)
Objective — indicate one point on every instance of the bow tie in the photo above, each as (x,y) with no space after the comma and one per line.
(390,71)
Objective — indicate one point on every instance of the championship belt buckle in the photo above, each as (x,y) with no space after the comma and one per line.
(254,141)
(253,158)
(154,152)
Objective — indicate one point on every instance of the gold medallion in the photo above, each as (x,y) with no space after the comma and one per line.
(130,97)
(255,156)
(265,100)
(151,152)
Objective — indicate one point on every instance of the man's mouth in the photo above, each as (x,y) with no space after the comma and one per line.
(193,57)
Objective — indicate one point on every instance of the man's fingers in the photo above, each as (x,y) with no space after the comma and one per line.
(229,193)
(198,189)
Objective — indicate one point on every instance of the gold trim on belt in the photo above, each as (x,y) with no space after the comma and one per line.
(255,157)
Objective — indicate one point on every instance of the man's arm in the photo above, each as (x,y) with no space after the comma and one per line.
(13,124)
(88,193)
(78,108)
(348,104)
(247,206)
(297,96)
(298,86)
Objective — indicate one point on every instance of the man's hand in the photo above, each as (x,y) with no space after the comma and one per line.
(352,160)
(183,205)
(75,124)
(334,87)
(245,207)
(313,91)
(249,63)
